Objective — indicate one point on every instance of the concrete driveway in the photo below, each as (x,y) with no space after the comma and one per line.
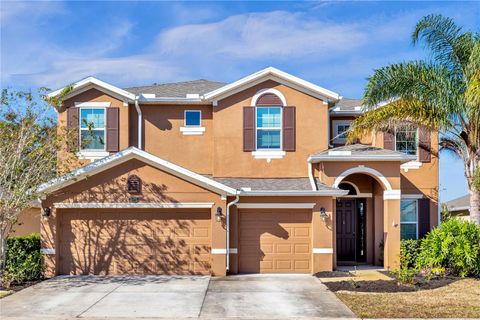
(243,296)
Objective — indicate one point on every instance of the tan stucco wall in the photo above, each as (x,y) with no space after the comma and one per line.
(162,136)
(231,161)
(110,186)
(28,222)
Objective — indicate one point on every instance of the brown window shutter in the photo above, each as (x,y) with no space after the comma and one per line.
(269,99)
(289,128)
(112,129)
(423,217)
(248,128)
(73,122)
(388,140)
(424,152)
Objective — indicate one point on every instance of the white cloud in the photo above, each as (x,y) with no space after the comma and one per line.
(334,54)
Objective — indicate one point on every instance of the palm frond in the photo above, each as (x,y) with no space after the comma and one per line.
(448,44)
(399,112)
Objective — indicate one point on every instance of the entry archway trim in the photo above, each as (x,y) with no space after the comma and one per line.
(370,171)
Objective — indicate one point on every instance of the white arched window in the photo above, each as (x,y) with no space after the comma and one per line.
(268,119)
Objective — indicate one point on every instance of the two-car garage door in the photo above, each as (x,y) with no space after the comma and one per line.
(275,241)
(178,241)
(127,241)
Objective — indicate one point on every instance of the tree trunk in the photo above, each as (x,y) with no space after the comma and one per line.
(474,206)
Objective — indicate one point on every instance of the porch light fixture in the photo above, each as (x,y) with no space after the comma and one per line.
(218,215)
(323,213)
(46,212)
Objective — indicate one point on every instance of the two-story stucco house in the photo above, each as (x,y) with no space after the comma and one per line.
(253,176)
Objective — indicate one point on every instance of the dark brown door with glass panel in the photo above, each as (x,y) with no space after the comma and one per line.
(346,230)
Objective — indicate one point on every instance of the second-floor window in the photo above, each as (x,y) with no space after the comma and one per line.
(193,118)
(92,129)
(269,128)
(340,128)
(406,140)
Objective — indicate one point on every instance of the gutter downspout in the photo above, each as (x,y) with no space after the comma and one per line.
(329,127)
(310,176)
(227,222)
(140,120)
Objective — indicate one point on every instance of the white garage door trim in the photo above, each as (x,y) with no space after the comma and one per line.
(292,205)
(150,205)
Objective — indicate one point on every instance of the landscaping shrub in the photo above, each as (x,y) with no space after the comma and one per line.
(23,258)
(409,250)
(454,247)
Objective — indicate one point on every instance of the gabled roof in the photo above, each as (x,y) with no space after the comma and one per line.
(90,82)
(134,153)
(199,91)
(271,73)
(359,152)
(178,89)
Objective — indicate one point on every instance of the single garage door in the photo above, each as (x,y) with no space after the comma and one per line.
(275,241)
(128,241)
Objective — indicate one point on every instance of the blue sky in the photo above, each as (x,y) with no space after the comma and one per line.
(333,44)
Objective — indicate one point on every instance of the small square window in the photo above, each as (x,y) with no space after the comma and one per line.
(193,118)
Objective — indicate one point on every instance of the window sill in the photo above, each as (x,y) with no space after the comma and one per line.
(268,154)
(192,131)
(414,164)
(92,155)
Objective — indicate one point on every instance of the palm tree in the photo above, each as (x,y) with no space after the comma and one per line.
(442,95)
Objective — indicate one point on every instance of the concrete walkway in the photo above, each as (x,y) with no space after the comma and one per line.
(247,296)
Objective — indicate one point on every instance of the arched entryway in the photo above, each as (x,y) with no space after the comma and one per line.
(360,217)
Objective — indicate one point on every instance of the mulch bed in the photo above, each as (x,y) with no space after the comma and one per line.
(21,286)
(388,286)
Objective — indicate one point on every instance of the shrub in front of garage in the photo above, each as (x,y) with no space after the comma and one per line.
(23,260)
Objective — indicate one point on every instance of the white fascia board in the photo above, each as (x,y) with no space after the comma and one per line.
(274,74)
(173,101)
(96,82)
(285,205)
(325,158)
(128,154)
(139,205)
(275,193)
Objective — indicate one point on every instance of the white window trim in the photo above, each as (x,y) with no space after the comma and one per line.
(337,123)
(189,130)
(93,104)
(85,152)
(416,216)
(268,154)
(269,90)
(417,145)
(268,128)
(414,164)
(92,155)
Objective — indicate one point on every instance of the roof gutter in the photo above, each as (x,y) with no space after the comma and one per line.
(140,121)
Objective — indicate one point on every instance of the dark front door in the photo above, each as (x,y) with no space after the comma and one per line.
(346,227)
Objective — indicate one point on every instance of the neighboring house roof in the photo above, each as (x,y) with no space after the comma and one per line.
(279,76)
(128,154)
(459,204)
(359,152)
(348,106)
(178,89)
(280,186)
